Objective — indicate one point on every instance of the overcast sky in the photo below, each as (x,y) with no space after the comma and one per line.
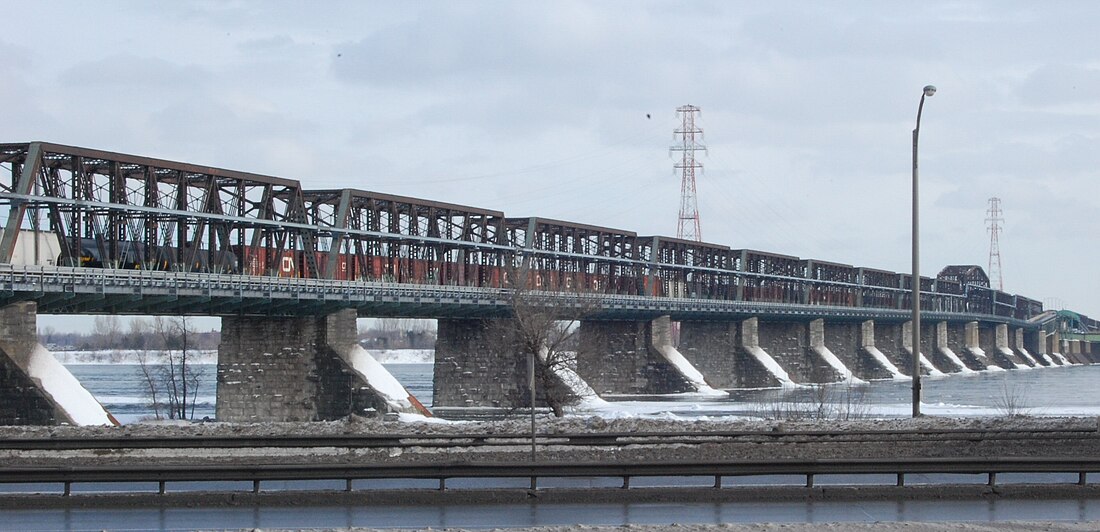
(566,110)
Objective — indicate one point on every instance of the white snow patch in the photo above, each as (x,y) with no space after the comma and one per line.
(947,352)
(403,356)
(932,370)
(673,356)
(588,397)
(1007,353)
(64,389)
(772,366)
(134,356)
(836,364)
(895,373)
(420,418)
(980,354)
(1027,356)
(378,378)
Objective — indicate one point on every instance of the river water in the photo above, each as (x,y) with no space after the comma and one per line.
(1048,392)
(1057,391)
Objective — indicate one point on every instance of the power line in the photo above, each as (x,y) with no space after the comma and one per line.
(691,137)
(993,216)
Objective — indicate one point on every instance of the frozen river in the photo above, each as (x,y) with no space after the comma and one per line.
(1058,391)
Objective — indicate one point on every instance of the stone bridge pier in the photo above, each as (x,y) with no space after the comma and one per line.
(632,358)
(301,369)
(478,366)
(36,389)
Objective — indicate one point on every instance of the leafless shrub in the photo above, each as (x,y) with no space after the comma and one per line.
(1012,401)
(816,402)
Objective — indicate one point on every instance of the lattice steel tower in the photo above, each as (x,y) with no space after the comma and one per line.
(993,216)
(691,140)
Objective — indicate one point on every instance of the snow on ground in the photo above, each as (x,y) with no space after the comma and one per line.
(379,379)
(132,356)
(64,389)
(403,356)
(588,397)
(210,356)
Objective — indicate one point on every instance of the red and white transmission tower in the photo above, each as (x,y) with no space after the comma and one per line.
(691,138)
(995,220)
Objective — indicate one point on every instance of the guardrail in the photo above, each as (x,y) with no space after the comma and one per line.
(809,469)
(611,439)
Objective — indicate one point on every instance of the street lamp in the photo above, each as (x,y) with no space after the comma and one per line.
(929,90)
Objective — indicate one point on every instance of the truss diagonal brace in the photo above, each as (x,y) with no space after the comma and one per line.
(19,206)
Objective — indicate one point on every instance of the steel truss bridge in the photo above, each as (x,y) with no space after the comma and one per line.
(89,231)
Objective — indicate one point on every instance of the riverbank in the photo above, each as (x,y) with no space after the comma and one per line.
(640,440)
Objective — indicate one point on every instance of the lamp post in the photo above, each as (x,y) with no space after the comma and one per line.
(929,90)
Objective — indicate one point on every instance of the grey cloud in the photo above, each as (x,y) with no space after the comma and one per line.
(1060,84)
(129,70)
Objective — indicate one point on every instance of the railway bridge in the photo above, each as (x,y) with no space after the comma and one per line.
(289,269)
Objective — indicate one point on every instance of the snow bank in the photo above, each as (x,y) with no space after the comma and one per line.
(588,397)
(673,356)
(403,356)
(67,392)
(947,352)
(895,373)
(379,379)
(133,356)
(772,366)
(836,364)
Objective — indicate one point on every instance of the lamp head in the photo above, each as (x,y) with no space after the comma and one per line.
(929,90)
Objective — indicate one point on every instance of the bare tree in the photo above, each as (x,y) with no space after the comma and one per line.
(541,331)
(173,385)
(107,330)
(137,334)
(46,334)
(149,376)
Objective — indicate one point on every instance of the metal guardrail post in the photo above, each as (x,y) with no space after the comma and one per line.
(901,479)
(255,486)
(717,481)
(809,480)
(1082,478)
(992,479)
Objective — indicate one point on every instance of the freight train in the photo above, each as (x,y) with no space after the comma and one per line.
(806,282)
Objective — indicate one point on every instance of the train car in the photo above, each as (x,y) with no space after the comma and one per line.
(35,248)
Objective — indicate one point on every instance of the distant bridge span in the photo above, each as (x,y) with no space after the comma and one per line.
(288,269)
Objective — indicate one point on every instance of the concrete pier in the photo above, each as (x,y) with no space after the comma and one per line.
(294,369)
